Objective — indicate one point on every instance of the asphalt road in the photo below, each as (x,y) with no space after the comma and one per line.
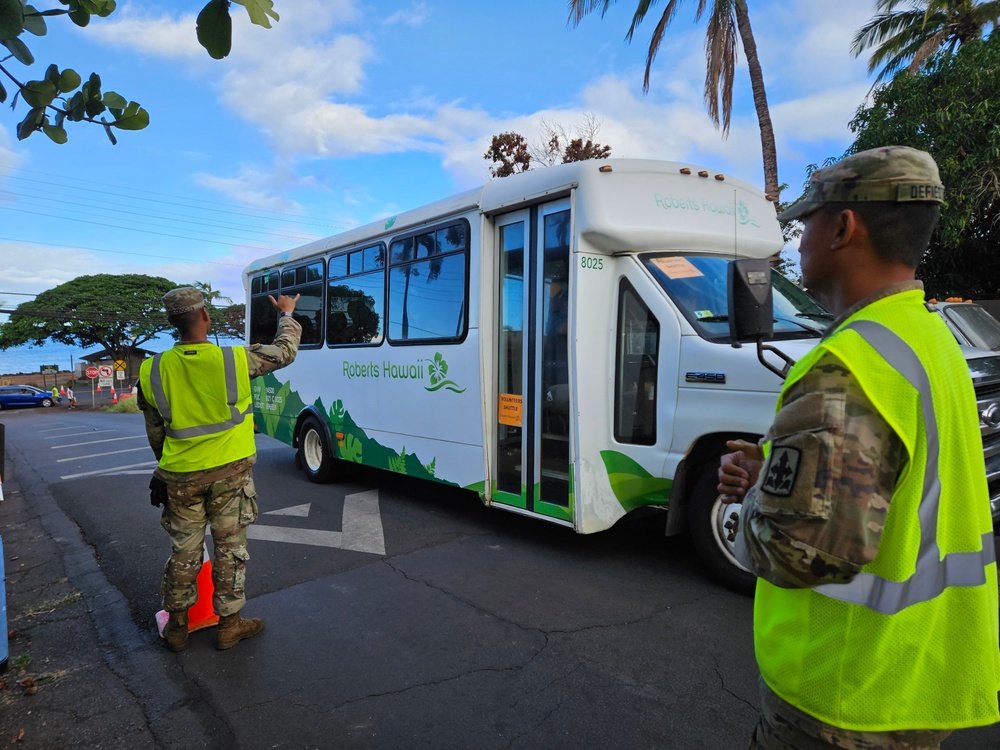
(402,614)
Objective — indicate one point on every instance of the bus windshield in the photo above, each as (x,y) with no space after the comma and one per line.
(697,285)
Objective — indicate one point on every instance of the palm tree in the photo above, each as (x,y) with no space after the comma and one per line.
(211,297)
(916,33)
(728,26)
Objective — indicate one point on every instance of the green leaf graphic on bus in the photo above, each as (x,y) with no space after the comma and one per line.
(277,408)
(632,484)
(352,449)
(337,413)
(398,463)
(437,368)
(277,405)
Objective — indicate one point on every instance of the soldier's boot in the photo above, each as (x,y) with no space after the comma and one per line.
(232,630)
(175,632)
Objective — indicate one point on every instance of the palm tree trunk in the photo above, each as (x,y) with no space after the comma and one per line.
(768,148)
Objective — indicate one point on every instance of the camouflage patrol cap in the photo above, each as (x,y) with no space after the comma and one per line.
(182,300)
(896,174)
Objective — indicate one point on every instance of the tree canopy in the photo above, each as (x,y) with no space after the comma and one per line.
(62,96)
(115,312)
(910,36)
(510,153)
(950,109)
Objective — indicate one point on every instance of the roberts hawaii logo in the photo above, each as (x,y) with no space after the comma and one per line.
(743,214)
(437,369)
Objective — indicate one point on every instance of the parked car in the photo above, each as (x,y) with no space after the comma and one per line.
(970,323)
(23,395)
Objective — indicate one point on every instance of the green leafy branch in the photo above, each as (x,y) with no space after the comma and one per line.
(54,99)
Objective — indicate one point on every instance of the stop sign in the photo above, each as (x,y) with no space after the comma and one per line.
(91,372)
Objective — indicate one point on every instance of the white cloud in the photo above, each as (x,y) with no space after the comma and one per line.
(296,83)
(9,158)
(158,35)
(413,16)
(254,187)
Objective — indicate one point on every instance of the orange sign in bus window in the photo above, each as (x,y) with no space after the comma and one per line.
(510,409)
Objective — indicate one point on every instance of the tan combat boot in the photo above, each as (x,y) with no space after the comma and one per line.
(232,630)
(175,632)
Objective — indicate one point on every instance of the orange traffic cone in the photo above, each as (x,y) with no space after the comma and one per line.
(62,391)
(114,396)
(98,387)
(202,614)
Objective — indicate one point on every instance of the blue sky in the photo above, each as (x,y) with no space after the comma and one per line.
(348,111)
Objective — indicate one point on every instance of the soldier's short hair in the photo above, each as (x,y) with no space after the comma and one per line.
(899,232)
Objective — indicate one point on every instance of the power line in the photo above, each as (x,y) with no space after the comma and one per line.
(50,215)
(150,220)
(132,195)
(122,252)
(173,217)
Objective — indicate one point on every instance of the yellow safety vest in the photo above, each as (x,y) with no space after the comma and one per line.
(912,641)
(202,392)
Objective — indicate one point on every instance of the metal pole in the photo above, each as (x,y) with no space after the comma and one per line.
(3,450)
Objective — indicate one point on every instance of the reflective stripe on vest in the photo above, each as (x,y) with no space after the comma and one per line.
(236,417)
(932,574)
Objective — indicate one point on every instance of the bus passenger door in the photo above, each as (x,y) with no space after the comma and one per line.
(532,471)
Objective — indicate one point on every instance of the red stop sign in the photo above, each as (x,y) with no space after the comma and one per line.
(91,372)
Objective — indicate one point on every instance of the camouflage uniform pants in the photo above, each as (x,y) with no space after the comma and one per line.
(228,505)
(781,726)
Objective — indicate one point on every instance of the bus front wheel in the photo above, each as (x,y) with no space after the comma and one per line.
(315,456)
(707,520)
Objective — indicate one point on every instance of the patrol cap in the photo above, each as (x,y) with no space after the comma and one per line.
(182,300)
(898,174)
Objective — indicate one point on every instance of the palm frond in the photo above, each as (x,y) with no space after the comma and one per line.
(580,8)
(721,52)
(643,8)
(928,48)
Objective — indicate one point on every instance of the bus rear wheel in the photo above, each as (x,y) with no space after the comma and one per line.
(707,519)
(315,456)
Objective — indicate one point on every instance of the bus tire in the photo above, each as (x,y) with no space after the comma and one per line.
(707,517)
(314,454)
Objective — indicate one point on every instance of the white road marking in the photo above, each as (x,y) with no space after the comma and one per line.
(92,442)
(98,455)
(301,511)
(362,528)
(110,470)
(75,434)
(57,429)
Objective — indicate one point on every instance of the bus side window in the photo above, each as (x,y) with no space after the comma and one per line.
(356,298)
(428,286)
(309,308)
(263,317)
(635,370)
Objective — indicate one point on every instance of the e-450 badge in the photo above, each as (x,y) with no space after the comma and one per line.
(705,377)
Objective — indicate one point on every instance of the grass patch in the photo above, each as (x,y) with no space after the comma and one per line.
(21,661)
(54,604)
(124,406)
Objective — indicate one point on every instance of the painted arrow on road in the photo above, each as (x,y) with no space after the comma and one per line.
(361,527)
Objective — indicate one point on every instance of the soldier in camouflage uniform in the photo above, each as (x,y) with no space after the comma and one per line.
(220,495)
(814,511)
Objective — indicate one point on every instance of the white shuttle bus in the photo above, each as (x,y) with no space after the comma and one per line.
(556,341)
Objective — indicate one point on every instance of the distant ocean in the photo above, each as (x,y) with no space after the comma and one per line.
(29,359)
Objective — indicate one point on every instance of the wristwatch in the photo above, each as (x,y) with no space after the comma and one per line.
(284,314)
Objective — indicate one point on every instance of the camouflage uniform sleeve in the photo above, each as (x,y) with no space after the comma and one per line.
(155,426)
(265,358)
(817,511)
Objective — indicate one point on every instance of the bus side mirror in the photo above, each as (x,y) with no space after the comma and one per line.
(751,308)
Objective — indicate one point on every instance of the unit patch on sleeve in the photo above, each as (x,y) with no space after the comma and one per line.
(782,470)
